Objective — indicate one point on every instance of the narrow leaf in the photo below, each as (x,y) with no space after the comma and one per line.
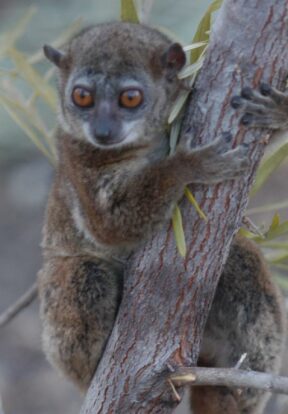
(178,106)
(194,46)
(9,39)
(248,224)
(38,83)
(202,33)
(128,11)
(279,258)
(269,166)
(174,135)
(273,234)
(191,69)
(268,207)
(178,231)
(28,130)
(275,245)
(194,203)
(275,223)
(247,233)
(29,113)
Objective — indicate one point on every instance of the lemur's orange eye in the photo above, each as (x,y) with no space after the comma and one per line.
(131,98)
(82,97)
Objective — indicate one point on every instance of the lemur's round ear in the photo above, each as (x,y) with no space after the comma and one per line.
(174,58)
(55,56)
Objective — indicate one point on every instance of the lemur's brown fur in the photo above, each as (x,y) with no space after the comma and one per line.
(115,185)
(246,317)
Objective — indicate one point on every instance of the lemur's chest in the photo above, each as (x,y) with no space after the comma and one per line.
(97,206)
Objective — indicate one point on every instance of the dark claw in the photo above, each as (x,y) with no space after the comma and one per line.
(265,89)
(246,119)
(247,93)
(236,102)
(227,137)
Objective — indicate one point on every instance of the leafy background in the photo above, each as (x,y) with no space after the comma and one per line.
(27,383)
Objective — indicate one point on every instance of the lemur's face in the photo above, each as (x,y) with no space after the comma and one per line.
(109,110)
(115,90)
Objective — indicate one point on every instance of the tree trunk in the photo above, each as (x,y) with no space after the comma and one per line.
(167,298)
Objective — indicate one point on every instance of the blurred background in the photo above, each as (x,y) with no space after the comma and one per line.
(28,385)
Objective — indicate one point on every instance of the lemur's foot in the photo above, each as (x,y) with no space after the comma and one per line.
(266,108)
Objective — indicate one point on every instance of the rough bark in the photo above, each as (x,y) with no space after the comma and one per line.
(167,298)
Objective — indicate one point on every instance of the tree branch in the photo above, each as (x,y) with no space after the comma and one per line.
(229,377)
(166,299)
(19,305)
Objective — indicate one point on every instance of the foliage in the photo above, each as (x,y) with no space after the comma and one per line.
(269,165)
(203,30)
(198,49)
(24,88)
(129,11)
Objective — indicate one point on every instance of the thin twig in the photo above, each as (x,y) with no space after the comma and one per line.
(241,360)
(177,396)
(252,227)
(230,377)
(19,305)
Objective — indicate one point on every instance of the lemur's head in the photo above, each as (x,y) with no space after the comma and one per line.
(117,83)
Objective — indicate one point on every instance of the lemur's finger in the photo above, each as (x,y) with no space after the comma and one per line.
(256,96)
(273,93)
(273,120)
(253,107)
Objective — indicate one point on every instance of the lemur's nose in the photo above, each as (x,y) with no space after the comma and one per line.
(102,121)
(102,128)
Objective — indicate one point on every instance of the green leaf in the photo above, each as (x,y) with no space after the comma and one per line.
(174,135)
(275,223)
(26,128)
(272,234)
(9,39)
(246,233)
(194,46)
(190,70)
(279,258)
(128,11)
(275,230)
(179,103)
(194,203)
(202,33)
(275,245)
(178,231)
(269,166)
(278,231)
(32,77)
(268,207)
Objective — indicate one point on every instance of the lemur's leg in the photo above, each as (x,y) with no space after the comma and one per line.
(246,317)
(79,297)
